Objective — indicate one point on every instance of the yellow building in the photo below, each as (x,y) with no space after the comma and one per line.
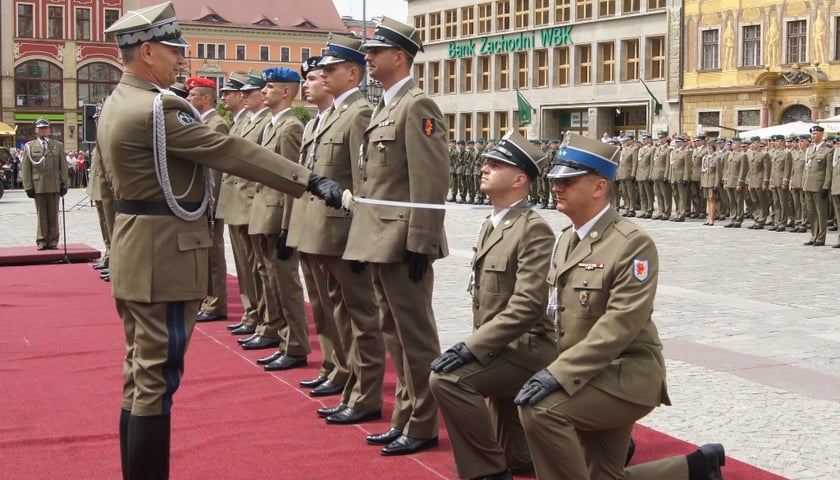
(755,64)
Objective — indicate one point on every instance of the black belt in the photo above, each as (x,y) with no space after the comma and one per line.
(142,207)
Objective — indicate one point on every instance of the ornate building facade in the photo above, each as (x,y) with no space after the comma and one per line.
(587,66)
(760,64)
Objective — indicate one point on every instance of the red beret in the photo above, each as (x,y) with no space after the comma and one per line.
(193,82)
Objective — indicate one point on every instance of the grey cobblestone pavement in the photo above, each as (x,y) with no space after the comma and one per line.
(750,321)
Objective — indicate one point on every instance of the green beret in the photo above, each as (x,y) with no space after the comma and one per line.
(461,142)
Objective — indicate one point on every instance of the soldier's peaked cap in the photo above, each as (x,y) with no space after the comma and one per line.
(390,33)
(150,24)
(515,150)
(236,81)
(42,122)
(341,48)
(579,155)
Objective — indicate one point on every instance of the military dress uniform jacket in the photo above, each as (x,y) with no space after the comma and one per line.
(710,171)
(736,170)
(316,228)
(645,163)
(217,123)
(405,159)
(628,163)
(697,155)
(781,163)
(797,168)
(817,174)
(161,258)
(237,194)
(51,169)
(268,215)
(509,291)
(679,167)
(759,169)
(661,162)
(605,293)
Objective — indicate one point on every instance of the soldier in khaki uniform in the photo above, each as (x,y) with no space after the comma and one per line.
(800,210)
(404,160)
(323,233)
(816,183)
(510,339)
(201,93)
(781,163)
(679,171)
(333,374)
(627,166)
(477,163)
(697,201)
(610,372)
(835,188)
(460,186)
(285,313)
(644,179)
(734,182)
(159,252)
(100,191)
(659,174)
(234,207)
(45,179)
(710,172)
(758,179)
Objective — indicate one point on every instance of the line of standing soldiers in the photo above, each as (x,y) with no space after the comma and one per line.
(465,164)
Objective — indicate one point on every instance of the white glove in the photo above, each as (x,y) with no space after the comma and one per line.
(347,200)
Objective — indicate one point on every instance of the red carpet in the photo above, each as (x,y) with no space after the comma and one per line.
(60,376)
(76,252)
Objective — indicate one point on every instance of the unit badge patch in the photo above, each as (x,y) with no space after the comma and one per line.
(641,269)
(184,118)
(428,126)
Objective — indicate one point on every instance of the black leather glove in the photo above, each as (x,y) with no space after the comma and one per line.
(666,182)
(325,188)
(418,263)
(824,193)
(455,357)
(684,182)
(30,193)
(62,190)
(356,266)
(283,252)
(650,181)
(715,190)
(633,179)
(539,386)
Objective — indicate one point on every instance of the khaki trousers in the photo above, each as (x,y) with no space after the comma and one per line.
(817,215)
(408,327)
(46,207)
(356,315)
(243,257)
(215,303)
(334,365)
(156,339)
(585,437)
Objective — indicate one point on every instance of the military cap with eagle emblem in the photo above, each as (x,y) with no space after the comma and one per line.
(151,24)
(515,150)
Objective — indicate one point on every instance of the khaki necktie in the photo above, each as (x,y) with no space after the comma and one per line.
(573,243)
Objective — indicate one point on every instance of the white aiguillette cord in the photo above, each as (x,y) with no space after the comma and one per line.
(391,203)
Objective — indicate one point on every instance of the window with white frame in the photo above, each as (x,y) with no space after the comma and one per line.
(751,55)
(710,50)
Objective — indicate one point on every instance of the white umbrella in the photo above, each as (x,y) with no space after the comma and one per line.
(792,128)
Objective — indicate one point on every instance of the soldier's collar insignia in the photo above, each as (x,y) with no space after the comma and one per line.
(641,269)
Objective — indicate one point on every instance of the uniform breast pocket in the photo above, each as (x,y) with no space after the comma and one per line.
(381,145)
(493,275)
(330,143)
(589,299)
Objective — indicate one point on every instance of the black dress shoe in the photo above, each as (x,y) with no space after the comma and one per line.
(348,416)
(100,266)
(106,278)
(208,317)
(274,356)
(325,412)
(836,245)
(384,438)
(246,339)
(808,243)
(260,343)
(408,445)
(104,271)
(819,244)
(312,383)
(325,389)
(503,475)
(286,362)
(234,326)
(243,330)
(42,247)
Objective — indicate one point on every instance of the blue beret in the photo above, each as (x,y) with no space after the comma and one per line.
(280,74)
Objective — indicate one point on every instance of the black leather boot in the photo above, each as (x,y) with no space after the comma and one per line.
(124,416)
(148,447)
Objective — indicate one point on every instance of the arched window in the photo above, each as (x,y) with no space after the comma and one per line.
(96,81)
(38,84)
